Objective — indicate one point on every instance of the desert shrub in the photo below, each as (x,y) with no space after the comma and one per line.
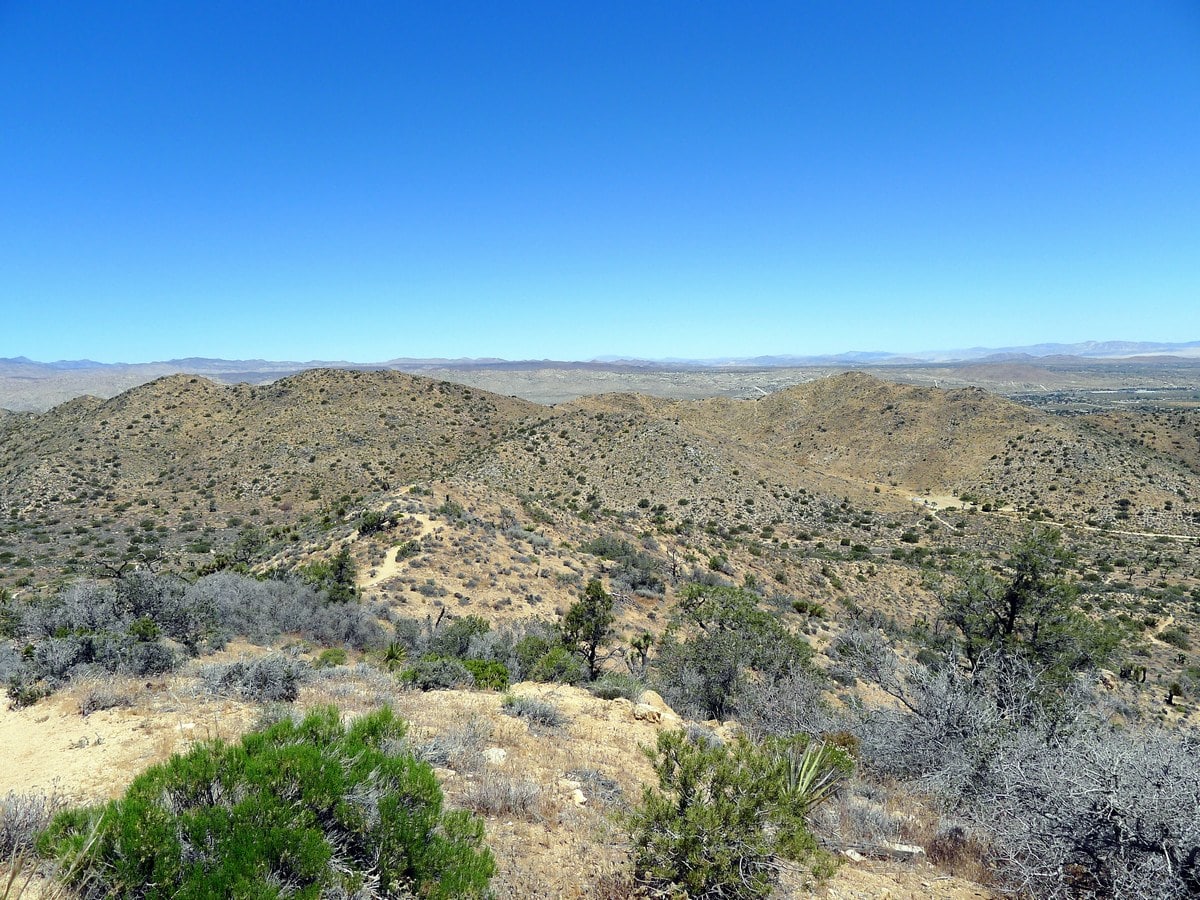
(614,685)
(454,638)
(488,675)
(717,639)
(103,697)
(530,708)
(559,665)
(720,815)
(268,679)
(494,793)
(434,673)
(1175,636)
(635,570)
(331,657)
(335,577)
(373,521)
(23,688)
(785,706)
(22,818)
(1096,813)
(262,610)
(310,809)
(144,659)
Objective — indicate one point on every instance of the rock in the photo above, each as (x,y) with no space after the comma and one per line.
(577,797)
(495,755)
(621,703)
(853,855)
(443,774)
(647,713)
(905,852)
(654,699)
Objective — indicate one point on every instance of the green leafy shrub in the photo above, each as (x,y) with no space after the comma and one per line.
(721,814)
(311,810)
(489,675)
(559,665)
(1175,636)
(331,657)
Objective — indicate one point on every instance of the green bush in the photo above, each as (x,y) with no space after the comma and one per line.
(559,665)
(721,814)
(1175,636)
(331,657)
(309,810)
(489,675)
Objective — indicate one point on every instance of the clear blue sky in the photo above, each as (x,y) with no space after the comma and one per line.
(351,180)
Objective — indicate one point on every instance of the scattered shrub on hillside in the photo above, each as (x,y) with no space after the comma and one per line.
(720,815)
(268,679)
(103,697)
(614,684)
(537,711)
(336,577)
(331,657)
(434,673)
(718,637)
(635,570)
(495,793)
(488,675)
(309,809)
(1175,636)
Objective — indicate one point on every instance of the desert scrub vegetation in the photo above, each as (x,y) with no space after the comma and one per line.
(1001,728)
(144,624)
(718,643)
(300,809)
(722,815)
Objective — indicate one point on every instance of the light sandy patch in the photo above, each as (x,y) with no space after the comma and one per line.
(50,748)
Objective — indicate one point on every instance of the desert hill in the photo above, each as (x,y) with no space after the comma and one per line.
(183,464)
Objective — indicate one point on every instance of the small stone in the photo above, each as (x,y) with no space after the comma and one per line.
(905,852)
(853,855)
(495,755)
(647,713)
(577,797)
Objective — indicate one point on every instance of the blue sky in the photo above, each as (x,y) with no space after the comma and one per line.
(367,181)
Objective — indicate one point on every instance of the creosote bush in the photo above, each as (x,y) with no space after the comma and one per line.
(310,809)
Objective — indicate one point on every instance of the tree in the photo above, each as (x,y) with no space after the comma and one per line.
(1031,611)
(587,625)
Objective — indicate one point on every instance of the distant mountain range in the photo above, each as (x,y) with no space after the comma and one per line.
(28,385)
(1083,350)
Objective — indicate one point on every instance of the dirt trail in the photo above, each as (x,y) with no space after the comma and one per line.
(390,566)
